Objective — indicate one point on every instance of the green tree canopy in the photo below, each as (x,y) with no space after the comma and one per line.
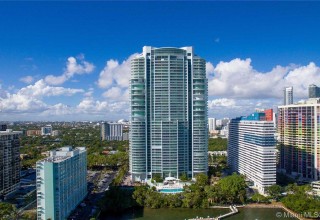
(7,211)
(258,198)
(274,191)
(217,144)
(201,180)
(232,188)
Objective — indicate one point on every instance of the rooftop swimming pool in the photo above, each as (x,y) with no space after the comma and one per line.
(173,190)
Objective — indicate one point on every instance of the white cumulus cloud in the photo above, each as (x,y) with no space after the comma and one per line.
(221,102)
(90,105)
(209,70)
(116,94)
(238,79)
(115,73)
(30,98)
(27,79)
(73,67)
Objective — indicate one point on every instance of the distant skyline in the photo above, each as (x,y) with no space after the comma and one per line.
(71,60)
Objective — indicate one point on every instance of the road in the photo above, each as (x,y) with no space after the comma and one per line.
(98,183)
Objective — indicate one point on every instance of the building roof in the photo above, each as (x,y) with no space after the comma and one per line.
(9,131)
(64,153)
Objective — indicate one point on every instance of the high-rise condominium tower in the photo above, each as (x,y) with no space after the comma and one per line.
(314,91)
(9,162)
(212,124)
(252,148)
(168,134)
(61,182)
(288,96)
(298,129)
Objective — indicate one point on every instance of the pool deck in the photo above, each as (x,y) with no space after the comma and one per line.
(160,186)
(175,190)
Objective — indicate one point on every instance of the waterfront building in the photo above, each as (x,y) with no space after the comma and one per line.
(111,131)
(314,91)
(9,162)
(211,124)
(168,133)
(61,182)
(252,149)
(288,96)
(298,130)
(46,130)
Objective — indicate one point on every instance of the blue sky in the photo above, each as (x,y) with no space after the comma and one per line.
(263,46)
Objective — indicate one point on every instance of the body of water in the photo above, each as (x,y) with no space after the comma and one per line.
(260,214)
(181,213)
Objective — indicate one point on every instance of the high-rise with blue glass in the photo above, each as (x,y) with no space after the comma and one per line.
(168,133)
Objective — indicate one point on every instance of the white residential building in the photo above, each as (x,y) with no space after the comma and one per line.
(55,133)
(288,96)
(252,150)
(111,131)
(222,122)
(224,132)
(212,124)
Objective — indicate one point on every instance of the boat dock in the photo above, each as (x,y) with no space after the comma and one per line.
(233,210)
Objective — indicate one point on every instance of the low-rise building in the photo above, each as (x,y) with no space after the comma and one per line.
(316,187)
(218,153)
(33,132)
(46,130)
(111,131)
(55,133)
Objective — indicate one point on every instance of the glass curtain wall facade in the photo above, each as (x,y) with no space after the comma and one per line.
(168,133)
